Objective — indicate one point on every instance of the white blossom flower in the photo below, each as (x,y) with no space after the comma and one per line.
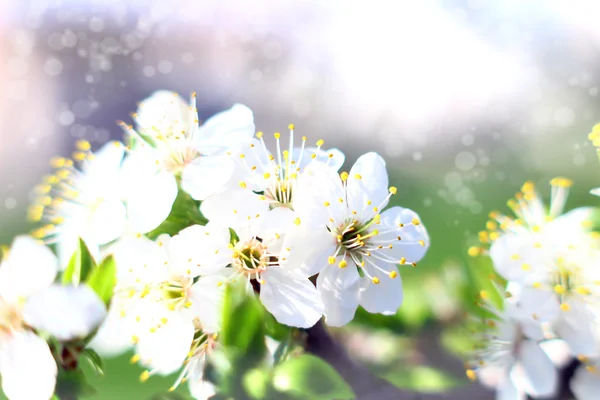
(166,304)
(272,177)
(585,383)
(100,200)
(29,300)
(257,254)
(554,257)
(355,245)
(168,138)
(508,357)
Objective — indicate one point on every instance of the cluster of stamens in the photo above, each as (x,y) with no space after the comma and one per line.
(59,192)
(175,146)
(281,171)
(251,258)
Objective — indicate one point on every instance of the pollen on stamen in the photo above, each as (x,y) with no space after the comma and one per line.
(343,264)
(259,135)
(135,358)
(291,126)
(393,274)
(331,260)
(277,135)
(344,176)
(393,190)
(375,280)
(144,376)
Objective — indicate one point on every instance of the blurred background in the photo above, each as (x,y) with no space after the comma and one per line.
(465,99)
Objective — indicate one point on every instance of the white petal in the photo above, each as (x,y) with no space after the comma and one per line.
(107,222)
(207,301)
(140,260)
(27,367)
(200,249)
(575,327)
(150,193)
(508,391)
(517,258)
(339,289)
(317,186)
(114,335)
(541,302)
(334,158)
(163,113)
(384,297)
(66,312)
(534,371)
(164,350)
(226,129)
(200,389)
(595,192)
(292,301)
(102,170)
(414,239)
(29,267)
(207,175)
(234,208)
(558,351)
(585,385)
(367,185)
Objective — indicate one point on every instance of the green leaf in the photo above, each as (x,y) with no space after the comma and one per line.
(256,383)
(184,213)
(103,279)
(420,378)
(243,326)
(72,385)
(309,377)
(80,265)
(95,360)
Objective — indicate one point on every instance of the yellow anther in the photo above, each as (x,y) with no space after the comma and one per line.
(583,291)
(525,267)
(471,375)
(344,176)
(515,257)
(375,280)
(135,339)
(402,260)
(561,182)
(491,225)
(291,126)
(422,243)
(326,204)
(494,236)
(343,264)
(535,228)
(57,162)
(528,187)
(393,274)
(393,189)
(331,260)
(144,376)
(320,142)
(277,135)
(357,176)
(474,251)
(243,185)
(78,156)
(83,145)
(297,221)
(484,295)
(415,221)
(565,307)
(560,289)
(135,358)
(266,175)
(259,135)
(536,285)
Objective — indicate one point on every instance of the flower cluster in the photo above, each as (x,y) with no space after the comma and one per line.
(180,210)
(549,307)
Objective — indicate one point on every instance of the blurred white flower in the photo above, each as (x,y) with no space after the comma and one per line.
(272,177)
(354,247)
(585,384)
(257,253)
(508,358)
(166,306)
(28,298)
(169,139)
(554,257)
(100,200)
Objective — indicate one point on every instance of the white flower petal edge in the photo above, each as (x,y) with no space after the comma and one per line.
(29,267)
(586,383)
(293,301)
(534,371)
(27,367)
(66,312)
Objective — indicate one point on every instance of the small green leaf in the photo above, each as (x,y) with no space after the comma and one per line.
(256,382)
(103,279)
(243,326)
(80,265)
(95,360)
(309,377)
(184,213)
(72,385)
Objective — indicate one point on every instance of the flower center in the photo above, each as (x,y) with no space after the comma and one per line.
(10,318)
(175,292)
(250,257)
(280,191)
(354,238)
